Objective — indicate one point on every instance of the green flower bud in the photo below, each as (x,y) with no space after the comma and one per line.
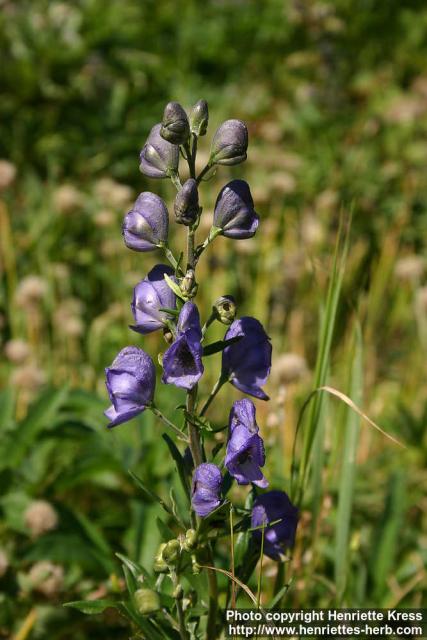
(159,565)
(170,553)
(189,285)
(178,592)
(199,118)
(147,601)
(196,568)
(175,126)
(225,309)
(190,540)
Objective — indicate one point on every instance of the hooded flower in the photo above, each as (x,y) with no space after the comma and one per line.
(175,126)
(269,507)
(234,211)
(158,158)
(247,362)
(149,296)
(245,448)
(230,143)
(146,226)
(206,488)
(187,203)
(130,382)
(182,362)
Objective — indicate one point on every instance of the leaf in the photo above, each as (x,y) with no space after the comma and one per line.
(171,312)
(41,415)
(279,595)
(151,496)
(198,421)
(92,607)
(220,345)
(180,464)
(175,288)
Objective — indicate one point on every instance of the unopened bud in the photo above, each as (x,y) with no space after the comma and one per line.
(196,568)
(199,118)
(225,309)
(178,592)
(187,203)
(190,541)
(230,143)
(175,126)
(168,335)
(189,285)
(159,565)
(147,601)
(170,553)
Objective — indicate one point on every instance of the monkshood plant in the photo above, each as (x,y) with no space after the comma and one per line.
(178,596)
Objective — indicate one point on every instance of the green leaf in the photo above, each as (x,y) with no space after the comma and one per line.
(220,345)
(93,607)
(153,497)
(180,464)
(198,421)
(171,312)
(175,288)
(42,414)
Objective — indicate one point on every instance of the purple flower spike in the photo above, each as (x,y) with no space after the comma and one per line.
(270,507)
(234,211)
(247,362)
(158,158)
(146,226)
(130,382)
(230,143)
(149,296)
(206,488)
(182,362)
(245,448)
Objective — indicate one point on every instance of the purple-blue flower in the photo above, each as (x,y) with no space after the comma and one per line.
(130,382)
(182,362)
(271,507)
(230,143)
(149,296)
(158,158)
(247,362)
(234,211)
(146,226)
(205,496)
(245,449)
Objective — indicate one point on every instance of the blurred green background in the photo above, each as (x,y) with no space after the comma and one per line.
(335,97)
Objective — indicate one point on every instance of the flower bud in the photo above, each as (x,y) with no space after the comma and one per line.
(146,225)
(170,553)
(225,309)
(187,203)
(199,118)
(189,285)
(147,601)
(190,540)
(234,211)
(230,143)
(178,592)
(159,565)
(175,126)
(158,158)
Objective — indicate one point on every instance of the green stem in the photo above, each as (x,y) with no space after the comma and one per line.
(203,172)
(176,181)
(208,322)
(193,432)
(219,383)
(169,255)
(166,421)
(214,232)
(213,599)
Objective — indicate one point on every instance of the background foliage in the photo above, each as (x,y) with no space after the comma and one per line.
(335,96)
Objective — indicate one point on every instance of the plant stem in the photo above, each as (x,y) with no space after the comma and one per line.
(203,172)
(213,599)
(176,181)
(219,383)
(214,232)
(193,432)
(169,255)
(166,421)
(182,629)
